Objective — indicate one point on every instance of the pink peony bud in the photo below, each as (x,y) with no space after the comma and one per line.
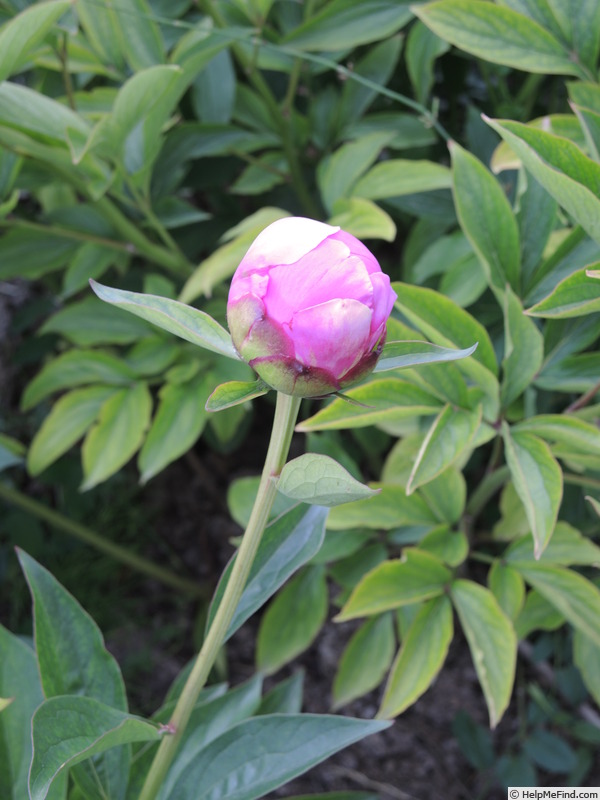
(308,307)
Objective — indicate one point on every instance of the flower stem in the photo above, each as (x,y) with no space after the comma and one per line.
(286,412)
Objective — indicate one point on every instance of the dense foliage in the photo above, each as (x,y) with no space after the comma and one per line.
(146,143)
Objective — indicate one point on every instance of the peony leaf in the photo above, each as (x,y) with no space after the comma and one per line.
(576,295)
(423,652)
(492,642)
(233,393)
(416,576)
(538,481)
(321,481)
(70,729)
(184,321)
(397,355)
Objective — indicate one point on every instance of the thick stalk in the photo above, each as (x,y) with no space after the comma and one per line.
(94,539)
(286,412)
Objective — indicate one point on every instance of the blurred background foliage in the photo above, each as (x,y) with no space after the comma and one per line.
(146,143)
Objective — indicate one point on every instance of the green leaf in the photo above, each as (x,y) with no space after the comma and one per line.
(70,649)
(234,392)
(423,47)
(595,504)
(117,435)
(363,219)
(349,570)
(90,261)
(451,547)
(563,429)
(508,588)
(72,660)
(537,614)
(12,452)
(208,721)
(20,682)
(365,660)
(285,697)
(386,399)
(446,324)
(132,132)
(242,494)
(213,90)
(486,218)
(388,509)
(23,33)
(576,598)
(397,355)
(576,295)
(293,619)
(30,254)
(38,116)
(139,35)
(492,642)
(265,172)
(523,350)
(449,436)
(338,172)
(398,177)
(498,34)
(321,481)
(424,650)
(69,419)
(341,24)
(563,170)
(572,374)
(68,730)
(549,751)
(102,30)
(567,546)
(416,576)
(179,421)
(89,322)
(586,656)
(76,368)
(538,480)
(280,747)
(287,543)
(376,66)
(184,321)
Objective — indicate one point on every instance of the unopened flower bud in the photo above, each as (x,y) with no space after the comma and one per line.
(308,307)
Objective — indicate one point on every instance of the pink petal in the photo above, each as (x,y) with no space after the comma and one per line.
(326,273)
(332,336)
(357,248)
(248,284)
(384,298)
(285,242)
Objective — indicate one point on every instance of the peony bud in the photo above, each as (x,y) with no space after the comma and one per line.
(308,307)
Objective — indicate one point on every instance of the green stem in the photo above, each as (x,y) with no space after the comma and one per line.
(63,57)
(174,262)
(486,490)
(66,233)
(145,207)
(581,480)
(286,412)
(75,529)
(584,400)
